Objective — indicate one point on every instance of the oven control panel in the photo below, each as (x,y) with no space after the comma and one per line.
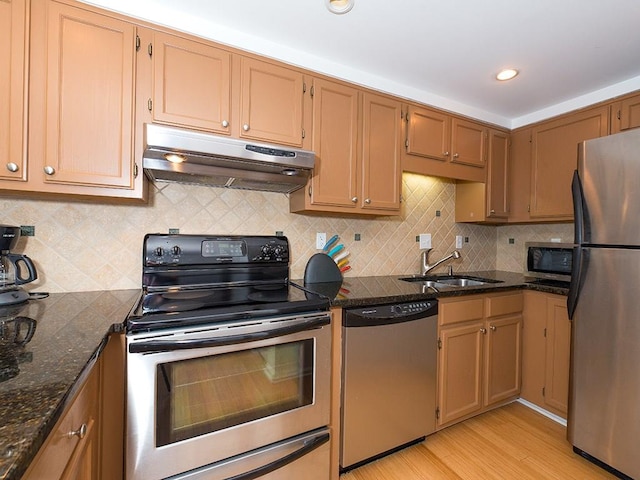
(178,250)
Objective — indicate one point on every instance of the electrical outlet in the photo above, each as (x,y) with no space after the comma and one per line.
(321,240)
(458,241)
(425,240)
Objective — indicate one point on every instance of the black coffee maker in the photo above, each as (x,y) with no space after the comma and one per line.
(15,270)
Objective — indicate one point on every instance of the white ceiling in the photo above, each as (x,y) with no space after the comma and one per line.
(445,53)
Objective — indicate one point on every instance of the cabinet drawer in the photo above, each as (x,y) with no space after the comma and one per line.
(456,311)
(54,456)
(504,304)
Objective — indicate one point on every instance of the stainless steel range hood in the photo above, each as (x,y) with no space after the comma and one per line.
(186,156)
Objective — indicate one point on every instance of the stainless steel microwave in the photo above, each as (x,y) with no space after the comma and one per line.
(551,261)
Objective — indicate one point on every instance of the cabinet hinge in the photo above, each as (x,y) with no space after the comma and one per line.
(150,105)
(309,191)
(135,170)
(545,332)
(150,49)
(312,91)
(528,208)
(406,143)
(619,114)
(439,344)
(438,413)
(137,43)
(303,133)
(543,391)
(304,87)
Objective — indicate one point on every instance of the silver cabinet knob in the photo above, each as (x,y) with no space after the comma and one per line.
(354,199)
(367,201)
(492,212)
(80,433)
(456,155)
(49,170)
(493,328)
(12,167)
(483,330)
(225,124)
(446,154)
(245,127)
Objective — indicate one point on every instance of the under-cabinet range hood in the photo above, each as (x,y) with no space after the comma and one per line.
(186,156)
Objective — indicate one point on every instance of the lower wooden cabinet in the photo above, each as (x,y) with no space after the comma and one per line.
(479,357)
(546,352)
(72,450)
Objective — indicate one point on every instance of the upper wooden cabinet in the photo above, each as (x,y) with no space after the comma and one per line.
(554,159)
(191,84)
(441,145)
(487,202)
(14,41)
(356,138)
(625,114)
(519,176)
(81,104)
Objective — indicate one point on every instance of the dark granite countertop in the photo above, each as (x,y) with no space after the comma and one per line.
(39,376)
(363,291)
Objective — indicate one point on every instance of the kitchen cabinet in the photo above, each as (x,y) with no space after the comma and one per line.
(440,145)
(479,359)
(191,84)
(81,104)
(487,202)
(71,451)
(625,114)
(14,43)
(519,176)
(554,159)
(357,139)
(546,352)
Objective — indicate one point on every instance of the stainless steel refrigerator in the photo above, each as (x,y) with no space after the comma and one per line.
(604,304)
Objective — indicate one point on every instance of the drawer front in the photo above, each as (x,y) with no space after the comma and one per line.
(456,311)
(504,304)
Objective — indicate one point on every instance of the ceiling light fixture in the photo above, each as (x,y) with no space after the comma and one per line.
(339,6)
(506,74)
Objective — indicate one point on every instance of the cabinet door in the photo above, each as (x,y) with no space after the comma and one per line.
(534,346)
(82,99)
(191,84)
(428,133)
(630,113)
(503,358)
(556,388)
(460,371)
(271,102)
(555,157)
(498,175)
(13,76)
(381,144)
(335,142)
(519,173)
(468,143)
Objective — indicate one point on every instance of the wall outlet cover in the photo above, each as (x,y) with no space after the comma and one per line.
(321,240)
(458,241)
(425,241)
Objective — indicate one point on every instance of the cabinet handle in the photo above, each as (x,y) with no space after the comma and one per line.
(225,124)
(367,201)
(492,212)
(80,433)
(354,199)
(245,127)
(446,154)
(12,167)
(456,155)
(483,330)
(49,170)
(493,328)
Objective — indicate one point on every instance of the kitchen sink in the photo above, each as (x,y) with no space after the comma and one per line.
(440,281)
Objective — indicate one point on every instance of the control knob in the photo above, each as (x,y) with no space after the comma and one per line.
(175,250)
(159,251)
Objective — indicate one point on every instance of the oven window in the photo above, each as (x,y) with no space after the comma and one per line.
(203,395)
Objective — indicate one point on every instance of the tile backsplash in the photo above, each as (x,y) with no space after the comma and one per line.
(82,246)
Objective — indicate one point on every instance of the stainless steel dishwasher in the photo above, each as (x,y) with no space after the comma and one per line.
(388,379)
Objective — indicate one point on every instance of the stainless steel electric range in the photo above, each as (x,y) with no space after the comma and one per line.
(228,364)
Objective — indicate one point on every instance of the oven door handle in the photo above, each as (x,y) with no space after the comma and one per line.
(172,345)
(308,446)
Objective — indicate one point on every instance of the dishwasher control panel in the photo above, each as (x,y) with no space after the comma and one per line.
(386,314)
(411,308)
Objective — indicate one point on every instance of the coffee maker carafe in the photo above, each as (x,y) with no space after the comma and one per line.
(15,269)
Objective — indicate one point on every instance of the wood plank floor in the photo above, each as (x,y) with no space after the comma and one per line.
(512,442)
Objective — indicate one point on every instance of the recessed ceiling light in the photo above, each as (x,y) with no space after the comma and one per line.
(506,74)
(339,6)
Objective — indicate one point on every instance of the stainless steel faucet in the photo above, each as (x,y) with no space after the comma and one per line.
(424,263)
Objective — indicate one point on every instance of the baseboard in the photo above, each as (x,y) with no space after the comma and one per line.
(544,412)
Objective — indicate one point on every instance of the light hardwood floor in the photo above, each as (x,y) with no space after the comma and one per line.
(512,442)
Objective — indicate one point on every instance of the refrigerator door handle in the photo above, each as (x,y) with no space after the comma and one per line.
(578,269)
(579,210)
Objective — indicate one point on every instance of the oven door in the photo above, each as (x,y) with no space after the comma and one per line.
(200,395)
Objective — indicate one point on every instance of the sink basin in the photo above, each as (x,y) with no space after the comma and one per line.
(440,281)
